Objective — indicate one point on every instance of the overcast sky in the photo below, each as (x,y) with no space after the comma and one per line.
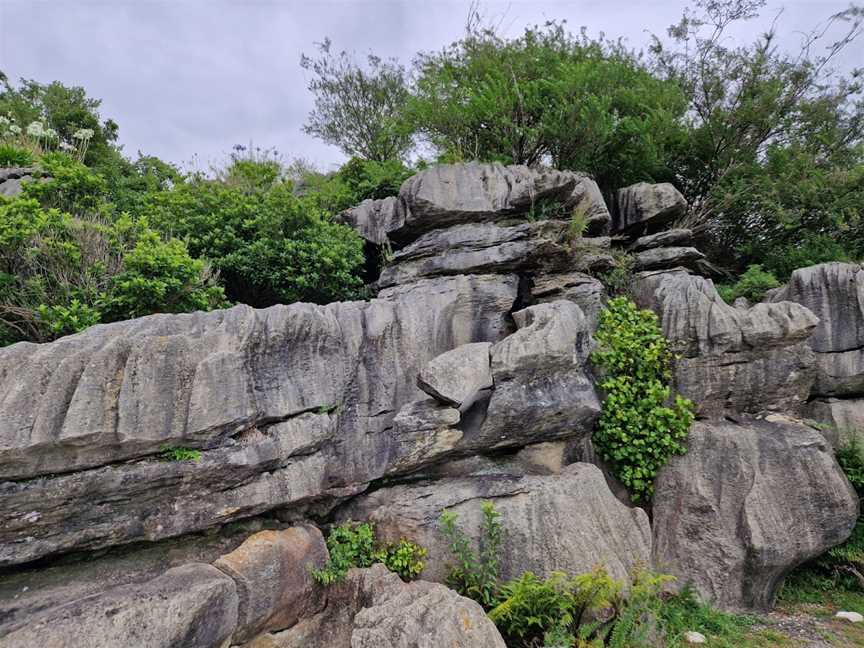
(194,77)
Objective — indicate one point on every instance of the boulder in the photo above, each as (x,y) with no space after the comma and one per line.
(480,248)
(543,389)
(455,194)
(455,377)
(584,290)
(12,179)
(569,521)
(667,238)
(842,418)
(373,608)
(645,207)
(273,574)
(745,505)
(194,606)
(663,258)
(423,432)
(290,405)
(731,360)
(835,293)
(375,219)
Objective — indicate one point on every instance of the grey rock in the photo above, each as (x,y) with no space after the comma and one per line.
(480,248)
(449,195)
(843,419)
(662,258)
(569,522)
(374,219)
(272,571)
(745,505)
(194,606)
(582,289)
(668,238)
(835,293)
(731,360)
(423,432)
(124,390)
(456,377)
(645,206)
(543,389)
(373,608)
(13,178)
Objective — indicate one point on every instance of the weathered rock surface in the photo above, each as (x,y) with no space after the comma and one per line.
(375,219)
(844,418)
(194,605)
(373,608)
(121,391)
(745,505)
(647,207)
(667,238)
(449,195)
(732,360)
(272,571)
(456,377)
(480,248)
(582,289)
(663,258)
(11,180)
(569,522)
(542,389)
(835,293)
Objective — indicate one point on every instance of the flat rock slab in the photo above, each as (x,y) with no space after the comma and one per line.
(456,377)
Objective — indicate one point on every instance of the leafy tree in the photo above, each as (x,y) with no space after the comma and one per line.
(547,97)
(358,109)
(773,156)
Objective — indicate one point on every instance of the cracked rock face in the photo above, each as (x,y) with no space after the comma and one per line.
(745,505)
(569,522)
(647,207)
(732,360)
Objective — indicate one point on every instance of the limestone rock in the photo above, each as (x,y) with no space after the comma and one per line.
(455,377)
(568,522)
(844,418)
(784,500)
(272,572)
(291,405)
(542,389)
(423,432)
(693,637)
(194,606)
(645,206)
(582,289)
(663,258)
(374,219)
(851,617)
(731,360)
(11,180)
(480,248)
(667,238)
(448,195)
(373,608)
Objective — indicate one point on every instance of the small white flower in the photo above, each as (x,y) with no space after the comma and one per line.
(66,146)
(36,129)
(50,133)
(15,129)
(83,133)
(4,121)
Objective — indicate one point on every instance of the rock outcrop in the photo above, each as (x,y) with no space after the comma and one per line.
(12,178)
(731,360)
(645,207)
(745,505)
(569,522)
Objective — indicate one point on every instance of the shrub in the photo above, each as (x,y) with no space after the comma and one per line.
(475,573)
(177,453)
(637,431)
(752,285)
(353,544)
(14,156)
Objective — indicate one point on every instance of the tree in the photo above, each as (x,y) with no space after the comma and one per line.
(547,97)
(772,161)
(358,109)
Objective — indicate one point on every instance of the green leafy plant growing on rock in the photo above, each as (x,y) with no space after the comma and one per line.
(178,453)
(353,544)
(639,428)
(475,573)
(753,285)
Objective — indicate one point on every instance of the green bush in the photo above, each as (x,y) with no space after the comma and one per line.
(178,453)
(637,431)
(14,156)
(752,285)
(475,573)
(353,544)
